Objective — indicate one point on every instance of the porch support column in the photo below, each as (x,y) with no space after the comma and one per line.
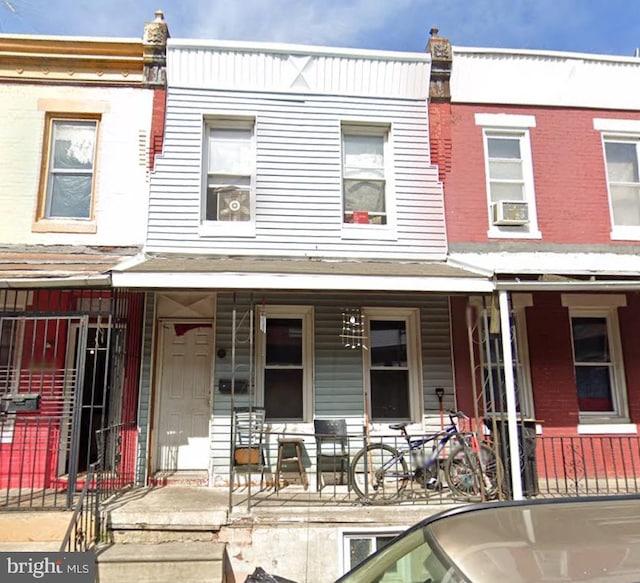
(512,422)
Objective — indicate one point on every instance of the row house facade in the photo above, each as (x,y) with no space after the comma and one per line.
(295,193)
(318,233)
(538,153)
(81,118)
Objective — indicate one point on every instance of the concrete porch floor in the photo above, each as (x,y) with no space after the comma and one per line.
(181,507)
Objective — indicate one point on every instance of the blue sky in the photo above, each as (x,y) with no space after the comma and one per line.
(594,26)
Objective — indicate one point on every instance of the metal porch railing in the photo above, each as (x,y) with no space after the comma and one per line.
(565,465)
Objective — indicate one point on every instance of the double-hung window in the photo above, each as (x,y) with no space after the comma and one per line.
(621,144)
(284,346)
(509,175)
(624,181)
(393,364)
(229,201)
(597,357)
(67,192)
(366,185)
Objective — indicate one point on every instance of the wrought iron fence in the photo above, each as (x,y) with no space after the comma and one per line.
(588,465)
(84,526)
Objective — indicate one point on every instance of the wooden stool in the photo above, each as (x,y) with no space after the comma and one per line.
(290,450)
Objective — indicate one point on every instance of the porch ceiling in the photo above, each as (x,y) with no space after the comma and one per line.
(181,271)
(39,266)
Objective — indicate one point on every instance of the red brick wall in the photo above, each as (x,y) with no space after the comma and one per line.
(568,165)
(157,125)
(461,361)
(551,363)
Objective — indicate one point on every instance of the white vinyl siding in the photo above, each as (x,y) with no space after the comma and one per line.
(298,184)
(338,376)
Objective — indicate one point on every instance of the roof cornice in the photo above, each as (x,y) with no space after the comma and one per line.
(71,60)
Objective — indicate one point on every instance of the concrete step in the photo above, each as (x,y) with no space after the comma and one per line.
(190,562)
(30,547)
(168,514)
(33,527)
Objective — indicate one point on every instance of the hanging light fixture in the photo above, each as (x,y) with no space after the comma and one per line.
(353,332)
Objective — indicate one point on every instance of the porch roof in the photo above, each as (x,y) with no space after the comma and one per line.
(40,266)
(558,270)
(215,272)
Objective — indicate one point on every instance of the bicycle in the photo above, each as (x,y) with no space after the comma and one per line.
(379,473)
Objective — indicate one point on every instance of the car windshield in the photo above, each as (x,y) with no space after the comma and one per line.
(410,559)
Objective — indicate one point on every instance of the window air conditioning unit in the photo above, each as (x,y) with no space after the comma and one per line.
(510,212)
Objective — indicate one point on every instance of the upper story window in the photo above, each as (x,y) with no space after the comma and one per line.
(67,187)
(509,175)
(621,140)
(229,201)
(366,177)
(624,181)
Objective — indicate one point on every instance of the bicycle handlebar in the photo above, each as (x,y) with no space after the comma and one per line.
(457,414)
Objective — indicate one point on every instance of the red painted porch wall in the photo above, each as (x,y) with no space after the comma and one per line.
(568,166)
(554,390)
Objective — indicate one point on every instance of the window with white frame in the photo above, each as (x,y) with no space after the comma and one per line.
(67,185)
(230,174)
(356,547)
(411,559)
(490,337)
(597,357)
(393,364)
(284,347)
(624,180)
(621,151)
(509,174)
(365,174)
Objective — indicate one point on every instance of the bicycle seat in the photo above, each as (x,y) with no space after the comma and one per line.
(397,426)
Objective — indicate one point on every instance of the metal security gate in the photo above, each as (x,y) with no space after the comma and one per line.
(61,389)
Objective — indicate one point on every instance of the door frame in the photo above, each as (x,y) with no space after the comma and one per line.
(156,399)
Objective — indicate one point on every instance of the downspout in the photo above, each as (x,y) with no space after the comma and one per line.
(512,422)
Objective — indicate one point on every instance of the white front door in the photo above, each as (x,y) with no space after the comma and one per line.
(184,396)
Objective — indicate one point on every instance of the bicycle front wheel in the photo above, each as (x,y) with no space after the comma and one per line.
(471,474)
(379,474)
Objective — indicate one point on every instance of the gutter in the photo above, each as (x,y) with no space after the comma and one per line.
(102,280)
(603,285)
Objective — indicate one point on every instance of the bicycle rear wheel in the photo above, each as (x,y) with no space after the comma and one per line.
(469,475)
(379,474)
